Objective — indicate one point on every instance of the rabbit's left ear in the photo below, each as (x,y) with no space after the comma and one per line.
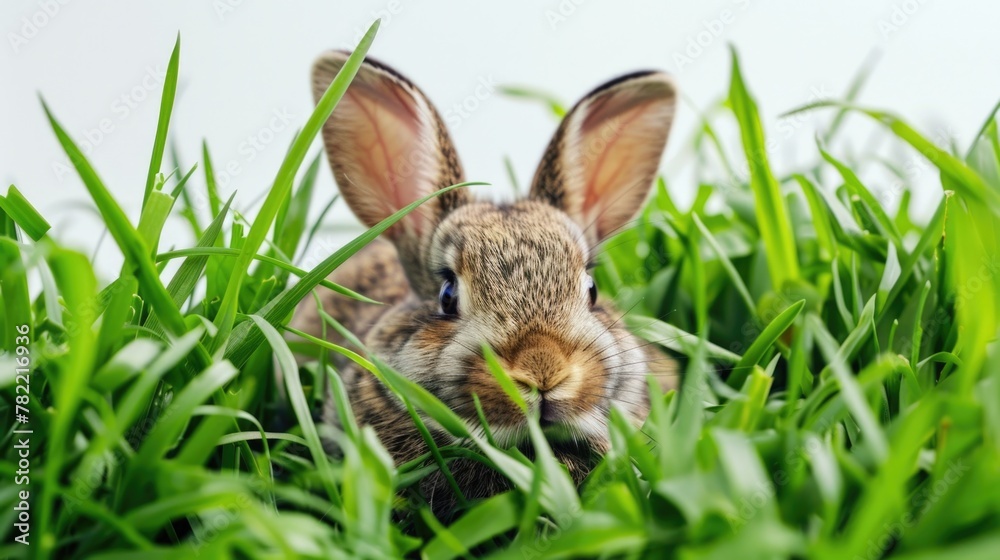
(388,147)
(601,163)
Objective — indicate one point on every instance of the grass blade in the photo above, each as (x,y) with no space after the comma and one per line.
(772,214)
(23,214)
(766,340)
(166,107)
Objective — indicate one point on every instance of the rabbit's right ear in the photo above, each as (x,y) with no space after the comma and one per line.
(388,147)
(601,163)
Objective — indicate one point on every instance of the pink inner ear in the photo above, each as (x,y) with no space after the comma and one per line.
(617,155)
(388,148)
(609,149)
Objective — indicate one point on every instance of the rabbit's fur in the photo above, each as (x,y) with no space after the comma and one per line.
(519,270)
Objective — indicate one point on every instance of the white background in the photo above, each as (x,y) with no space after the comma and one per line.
(938,63)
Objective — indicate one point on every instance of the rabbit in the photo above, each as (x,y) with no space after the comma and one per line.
(460,271)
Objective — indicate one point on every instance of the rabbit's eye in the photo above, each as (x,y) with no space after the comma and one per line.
(592,289)
(448,297)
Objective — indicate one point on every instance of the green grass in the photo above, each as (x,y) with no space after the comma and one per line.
(840,396)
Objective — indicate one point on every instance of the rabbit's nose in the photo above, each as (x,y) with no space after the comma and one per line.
(540,365)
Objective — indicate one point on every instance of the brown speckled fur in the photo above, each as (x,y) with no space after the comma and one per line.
(521,272)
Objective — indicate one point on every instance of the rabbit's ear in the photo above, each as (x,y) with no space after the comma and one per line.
(388,147)
(600,164)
